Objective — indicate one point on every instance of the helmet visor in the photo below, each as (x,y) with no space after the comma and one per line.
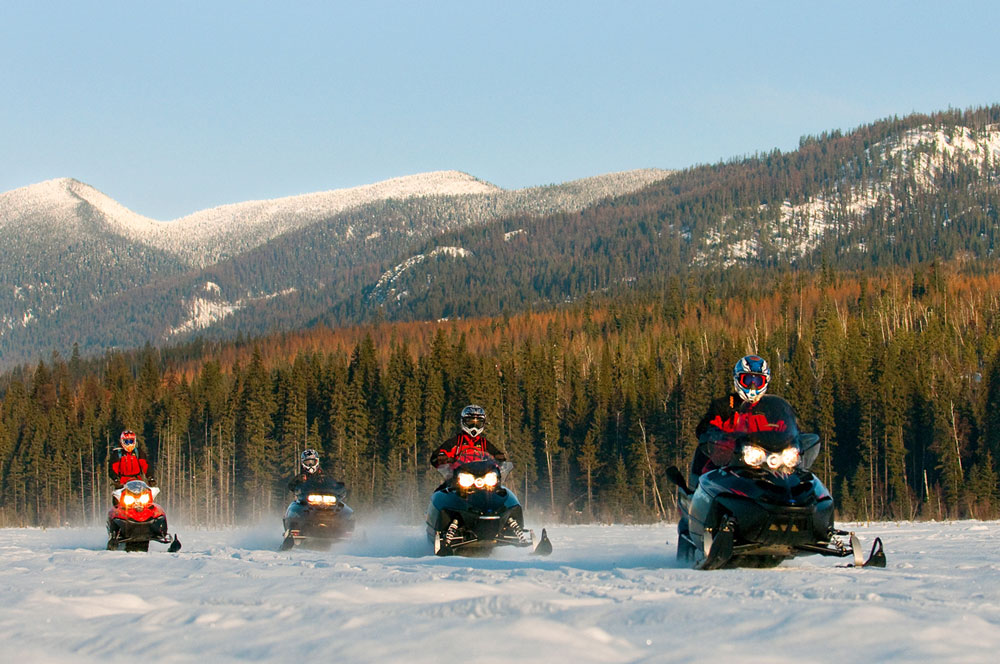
(474,421)
(310,463)
(752,381)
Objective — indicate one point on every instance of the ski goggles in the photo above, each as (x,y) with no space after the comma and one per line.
(752,381)
(310,463)
(478,422)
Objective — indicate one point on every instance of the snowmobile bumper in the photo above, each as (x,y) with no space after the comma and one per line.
(780,524)
(136,535)
(126,530)
(323,526)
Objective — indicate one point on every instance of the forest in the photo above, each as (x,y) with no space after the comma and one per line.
(898,370)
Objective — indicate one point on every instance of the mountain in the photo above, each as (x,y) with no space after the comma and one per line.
(84,269)
(896,192)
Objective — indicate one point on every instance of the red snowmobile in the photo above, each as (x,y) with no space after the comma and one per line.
(136,519)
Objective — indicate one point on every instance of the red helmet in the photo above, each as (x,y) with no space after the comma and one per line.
(127,440)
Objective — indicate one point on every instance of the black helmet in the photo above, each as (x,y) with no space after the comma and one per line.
(473,420)
(310,461)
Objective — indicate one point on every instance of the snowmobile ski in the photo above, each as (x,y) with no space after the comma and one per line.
(720,547)
(544,546)
(876,558)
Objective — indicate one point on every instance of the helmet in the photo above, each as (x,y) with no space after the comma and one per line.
(473,420)
(310,461)
(751,377)
(127,440)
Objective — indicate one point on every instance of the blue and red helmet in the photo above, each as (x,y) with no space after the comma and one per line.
(751,377)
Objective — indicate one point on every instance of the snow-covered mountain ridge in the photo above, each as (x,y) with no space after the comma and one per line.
(79,256)
(921,154)
(207,236)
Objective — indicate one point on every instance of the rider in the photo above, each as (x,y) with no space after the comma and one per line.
(751,376)
(309,470)
(125,464)
(470,437)
(473,421)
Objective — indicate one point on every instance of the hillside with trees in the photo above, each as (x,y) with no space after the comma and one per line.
(899,192)
(897,369)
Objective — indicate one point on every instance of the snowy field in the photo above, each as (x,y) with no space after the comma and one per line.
(606,594)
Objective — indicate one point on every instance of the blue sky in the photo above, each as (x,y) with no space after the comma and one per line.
(172,107)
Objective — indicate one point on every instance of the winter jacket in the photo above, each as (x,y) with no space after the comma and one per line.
(127,466)
(451,448)
(304,477)
(723,416)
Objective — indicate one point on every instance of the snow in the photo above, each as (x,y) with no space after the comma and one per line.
(452,252)
(381,291)
(202,311)
(606,594)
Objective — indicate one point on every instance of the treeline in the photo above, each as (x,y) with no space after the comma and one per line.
(899,373)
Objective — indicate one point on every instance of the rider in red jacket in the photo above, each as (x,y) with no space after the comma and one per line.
(473,420)
(129,465)
(751,377)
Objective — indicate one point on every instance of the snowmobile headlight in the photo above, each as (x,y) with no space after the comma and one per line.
(754,456)
(490,479)
(790,457)
(320,499)
(774,461)
(128,499)
(466,480)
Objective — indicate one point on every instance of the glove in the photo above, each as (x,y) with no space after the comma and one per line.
(442,458)
(151,481)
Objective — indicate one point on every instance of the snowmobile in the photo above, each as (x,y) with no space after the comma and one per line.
(761,505)
(135,519)
(472,512)
(318,516)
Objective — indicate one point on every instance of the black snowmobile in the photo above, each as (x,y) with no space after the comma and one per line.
(762,504)
(318,516)
(472,512)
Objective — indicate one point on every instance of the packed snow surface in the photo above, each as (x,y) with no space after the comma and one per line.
(606,594)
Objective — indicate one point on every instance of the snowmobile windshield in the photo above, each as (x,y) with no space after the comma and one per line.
(322,484)
(472,455)
(769,423)
(476,469)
